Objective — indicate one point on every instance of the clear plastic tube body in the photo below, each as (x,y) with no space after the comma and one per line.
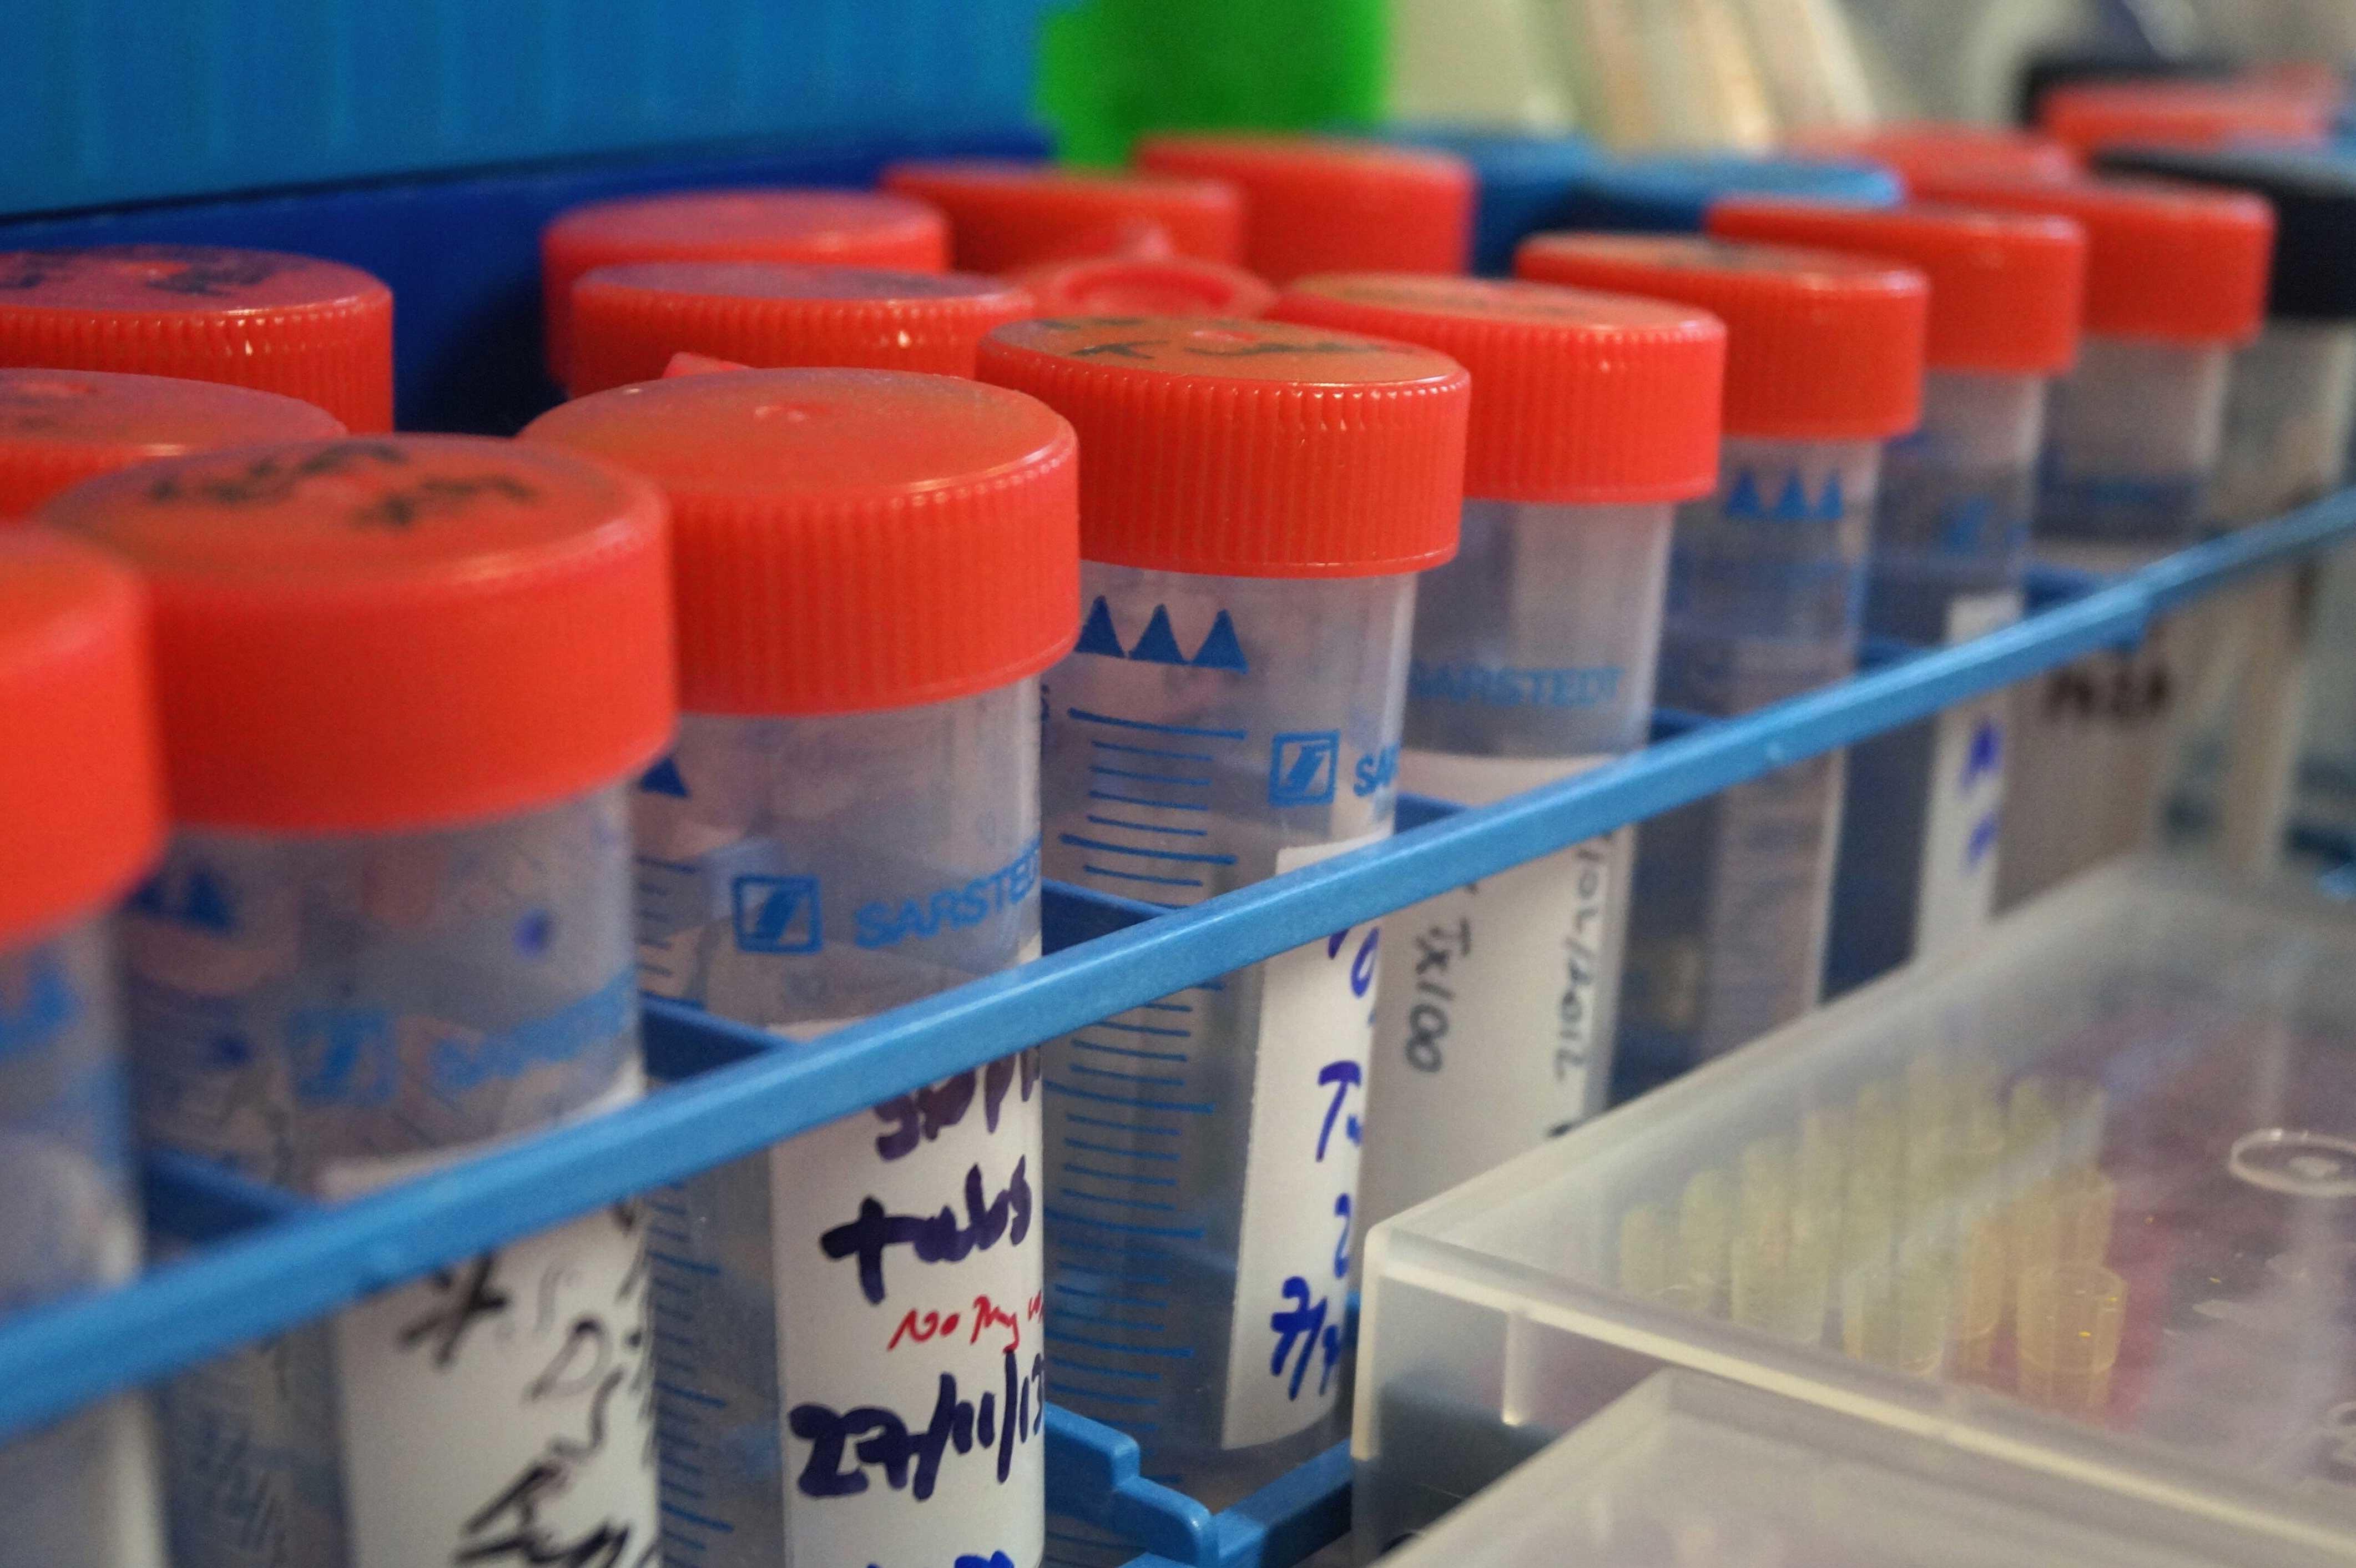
(81,1490)
(1950,540)
(833,1387)
(2131,445)
(1201,1150)
(331,1014)
(1766,585)
(1535,653)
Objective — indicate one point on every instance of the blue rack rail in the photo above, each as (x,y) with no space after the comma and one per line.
(270,1262)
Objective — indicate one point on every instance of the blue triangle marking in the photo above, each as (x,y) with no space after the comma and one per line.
(1744,500)
(1220,651)
(1792,504)
(207,903)
(1159,645)
(1097,635)
(663,779)
(1829,509)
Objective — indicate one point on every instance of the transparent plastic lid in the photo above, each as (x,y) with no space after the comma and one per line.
(2085,1190)
(1688,1471)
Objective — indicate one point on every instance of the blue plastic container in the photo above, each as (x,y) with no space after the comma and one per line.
(1525,177)
(1671,193)
(166,98)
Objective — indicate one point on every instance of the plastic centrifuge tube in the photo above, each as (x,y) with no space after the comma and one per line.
(296,325)
(1950,542)
(1257,501)
(629,319)
(1327,204)
(1533,657)
(867,590)
(80,816)
(1522,176)
(816,228)
(2289,406)
(2175,279)
(1913,149)
(60,427)
(2093,117)
(1005,214)
(1765,580)
(404,684)
(2066,1336)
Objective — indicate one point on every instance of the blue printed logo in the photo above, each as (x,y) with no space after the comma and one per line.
(1302,767)
(776,914)
(343,1056)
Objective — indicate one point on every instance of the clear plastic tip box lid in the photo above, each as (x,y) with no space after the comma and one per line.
(2082,1196)
(1688,1471)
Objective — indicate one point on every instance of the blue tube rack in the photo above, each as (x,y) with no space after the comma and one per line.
(269,1261)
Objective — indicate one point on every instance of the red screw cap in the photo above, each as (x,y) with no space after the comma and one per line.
(1004,214)
(2092,116)
(2174,264)
(2006,289)
(1116,286)
(628,320)
(1913,146)
(1577,397)
(60,427)
(394,634)
(827,227)
(296,325)
(1250,448)
(1820,347)
(850,539)
(1323,204)
(81,800)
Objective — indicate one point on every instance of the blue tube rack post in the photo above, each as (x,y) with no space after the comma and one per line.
(271,1261)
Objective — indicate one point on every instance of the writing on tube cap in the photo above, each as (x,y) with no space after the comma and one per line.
(848,540)
(296,325)
(2313,194)
(1174,286)
(2165,261)
(628,320)
(393,634)
(2089,116)
(1910,147)
(1820,346)
(60,427)
(2007,288)
(829,228)
(1577,397)
(1316,204)
(1005,214)
(81,808)
(1250,448)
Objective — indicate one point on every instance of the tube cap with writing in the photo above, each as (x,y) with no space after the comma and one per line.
(1003,214)
(2313,194)
(1317,204)
(60,427)
(1577,397)
(81,803)
(1820,347)
(1172,286)
(2007,288)
(394,634)
(2165,261)
(296,325)
(1250,448)
(1910,146)
(2089,116)
(850,540)
(628,320)
(824,227)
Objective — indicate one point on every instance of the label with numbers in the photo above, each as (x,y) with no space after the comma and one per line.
(1493,1031)
(1300,1177)
(499,1411)
(1956,893)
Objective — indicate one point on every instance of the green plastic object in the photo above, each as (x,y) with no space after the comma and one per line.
(1110,69)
